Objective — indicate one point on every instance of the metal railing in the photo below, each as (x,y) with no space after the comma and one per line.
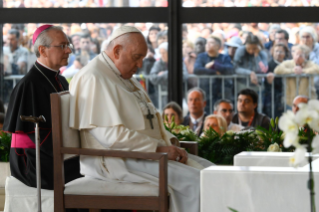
(261,79)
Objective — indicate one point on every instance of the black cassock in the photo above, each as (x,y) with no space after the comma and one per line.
(31,96)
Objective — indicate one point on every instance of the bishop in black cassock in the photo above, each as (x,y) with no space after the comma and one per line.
(31,96)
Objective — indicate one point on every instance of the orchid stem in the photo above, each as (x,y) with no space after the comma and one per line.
(311,183)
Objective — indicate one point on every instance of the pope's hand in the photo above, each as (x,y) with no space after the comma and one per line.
(174,153)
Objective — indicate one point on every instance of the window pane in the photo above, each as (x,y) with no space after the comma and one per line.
(218,61)
(83,3)
(88,39)
(248,3)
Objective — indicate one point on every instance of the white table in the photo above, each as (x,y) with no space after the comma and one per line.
(257,189)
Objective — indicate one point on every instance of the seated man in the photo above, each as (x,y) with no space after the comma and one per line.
(224,107)
(247,116)
(297,100)
(196,102)
(112,111)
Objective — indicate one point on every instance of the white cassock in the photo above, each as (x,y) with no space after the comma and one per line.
(110,113)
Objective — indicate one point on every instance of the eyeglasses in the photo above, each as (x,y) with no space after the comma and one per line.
(64,46)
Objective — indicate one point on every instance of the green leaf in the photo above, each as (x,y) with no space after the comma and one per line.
(231,209)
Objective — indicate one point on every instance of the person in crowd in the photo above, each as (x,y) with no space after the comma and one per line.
(272,30)
(247,115)
(309,37)
(75,38)
(151,38)
(31,96)
(189,58)
(109,76)
(232,47)
(243,35)
(206,32)
(250,60)
(200,44)
(212,62)
(162,37)
(282,36)
(196,103)
(145,70)
(85,46)
(224,108)
(159,72)
(297,100)
(298,65)
(78,63)
(18,55)
(215,122)
(279,53)
(172,109)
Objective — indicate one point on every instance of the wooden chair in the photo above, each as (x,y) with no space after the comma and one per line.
(96,194)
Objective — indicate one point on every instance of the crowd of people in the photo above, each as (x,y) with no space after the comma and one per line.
(159,3)
(223,118)
(215,49)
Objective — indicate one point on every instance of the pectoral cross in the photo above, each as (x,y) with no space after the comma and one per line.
(150,116)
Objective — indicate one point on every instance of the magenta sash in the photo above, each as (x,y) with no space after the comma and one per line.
(21,140)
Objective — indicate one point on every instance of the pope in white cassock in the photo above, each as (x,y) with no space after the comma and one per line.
(112,111)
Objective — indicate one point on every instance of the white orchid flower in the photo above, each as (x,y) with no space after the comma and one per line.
(315,144)
(313,104)
(287,123)
(306,115)
(299,157)
(291,139)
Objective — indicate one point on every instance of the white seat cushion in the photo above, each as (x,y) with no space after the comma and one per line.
(91,186)
(20,197)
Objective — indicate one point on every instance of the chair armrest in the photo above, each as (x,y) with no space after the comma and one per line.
(192,146)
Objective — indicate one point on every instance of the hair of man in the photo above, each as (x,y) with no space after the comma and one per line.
(176,108)
(254,39)
(249,92)
(14,32)
(201,91)
(280,31)
(44,39)
(217,103)
(216,39)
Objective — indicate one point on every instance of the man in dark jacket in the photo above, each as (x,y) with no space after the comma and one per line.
(247,115)
(196,102)
(212,62)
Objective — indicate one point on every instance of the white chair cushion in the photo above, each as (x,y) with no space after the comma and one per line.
(71,138)
(91,186)
(20,197)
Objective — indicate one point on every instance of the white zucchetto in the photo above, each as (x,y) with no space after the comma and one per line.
(123,30)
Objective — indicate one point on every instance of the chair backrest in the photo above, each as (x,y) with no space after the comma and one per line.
(70,137)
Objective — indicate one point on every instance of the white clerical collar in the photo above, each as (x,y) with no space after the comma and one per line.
(196,120)
(116,71)
(46,66)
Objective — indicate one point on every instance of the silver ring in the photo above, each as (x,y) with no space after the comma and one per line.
(177,159)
